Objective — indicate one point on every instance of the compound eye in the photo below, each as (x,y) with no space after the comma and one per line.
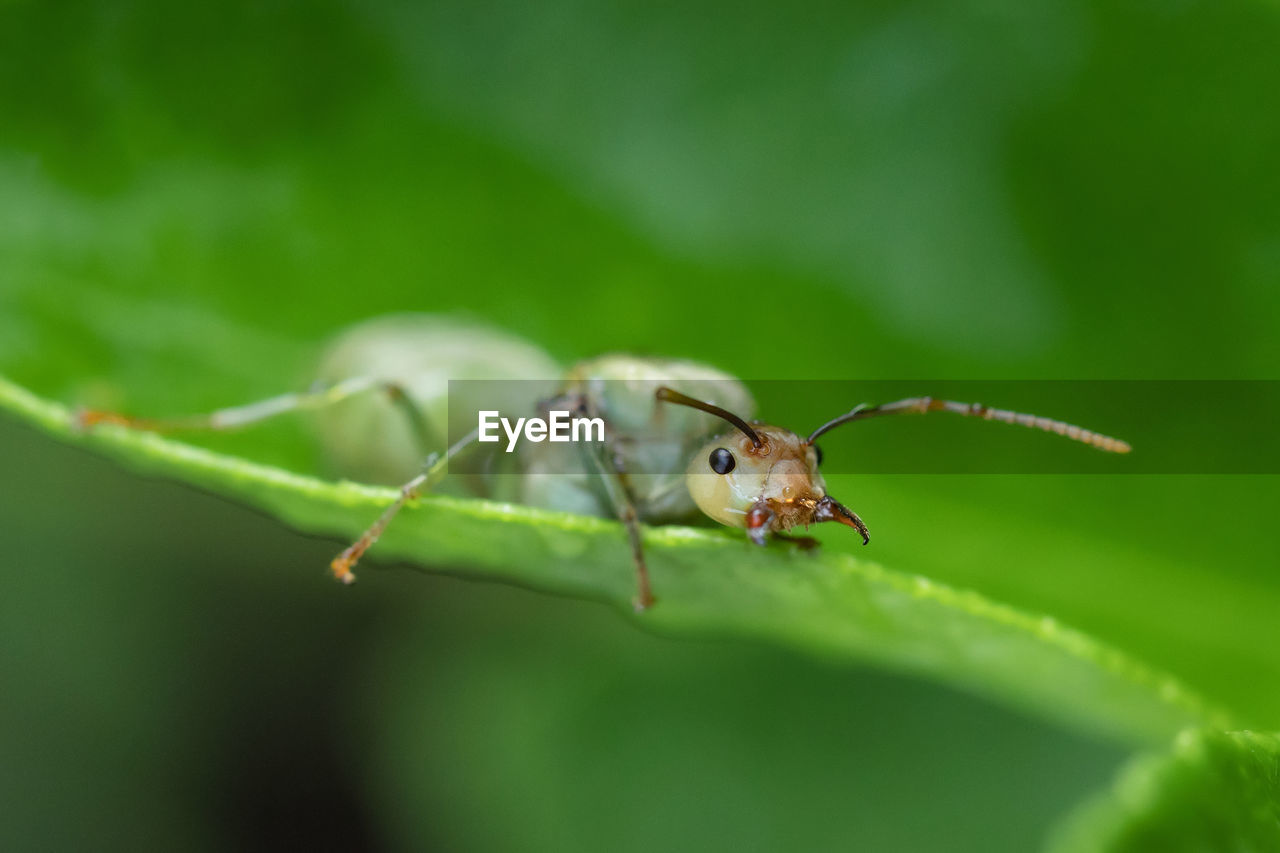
(817,451)
(722,461)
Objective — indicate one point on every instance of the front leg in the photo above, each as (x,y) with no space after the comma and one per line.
(760,519)
(762,523)
(609,467)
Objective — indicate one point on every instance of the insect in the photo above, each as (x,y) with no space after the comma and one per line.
(680,436)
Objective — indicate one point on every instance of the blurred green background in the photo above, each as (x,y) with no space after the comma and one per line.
(193,197)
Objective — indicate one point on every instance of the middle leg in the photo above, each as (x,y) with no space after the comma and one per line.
(612,474)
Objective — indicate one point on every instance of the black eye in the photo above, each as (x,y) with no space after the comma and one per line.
(817,451)
(722,461)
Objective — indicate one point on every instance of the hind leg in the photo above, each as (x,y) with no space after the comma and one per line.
(250,414)
(435,469)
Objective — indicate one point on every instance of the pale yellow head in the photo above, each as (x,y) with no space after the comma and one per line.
(766,482)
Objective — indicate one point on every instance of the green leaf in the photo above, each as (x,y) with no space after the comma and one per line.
(1211,791)
(707,581)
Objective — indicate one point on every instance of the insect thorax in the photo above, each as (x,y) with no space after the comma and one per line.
(650,441)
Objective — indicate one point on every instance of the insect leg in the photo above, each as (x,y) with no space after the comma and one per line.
(614,478)
(435,468)
(252,413)
(759,522)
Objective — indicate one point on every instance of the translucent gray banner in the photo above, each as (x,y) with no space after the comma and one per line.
(1017,426)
